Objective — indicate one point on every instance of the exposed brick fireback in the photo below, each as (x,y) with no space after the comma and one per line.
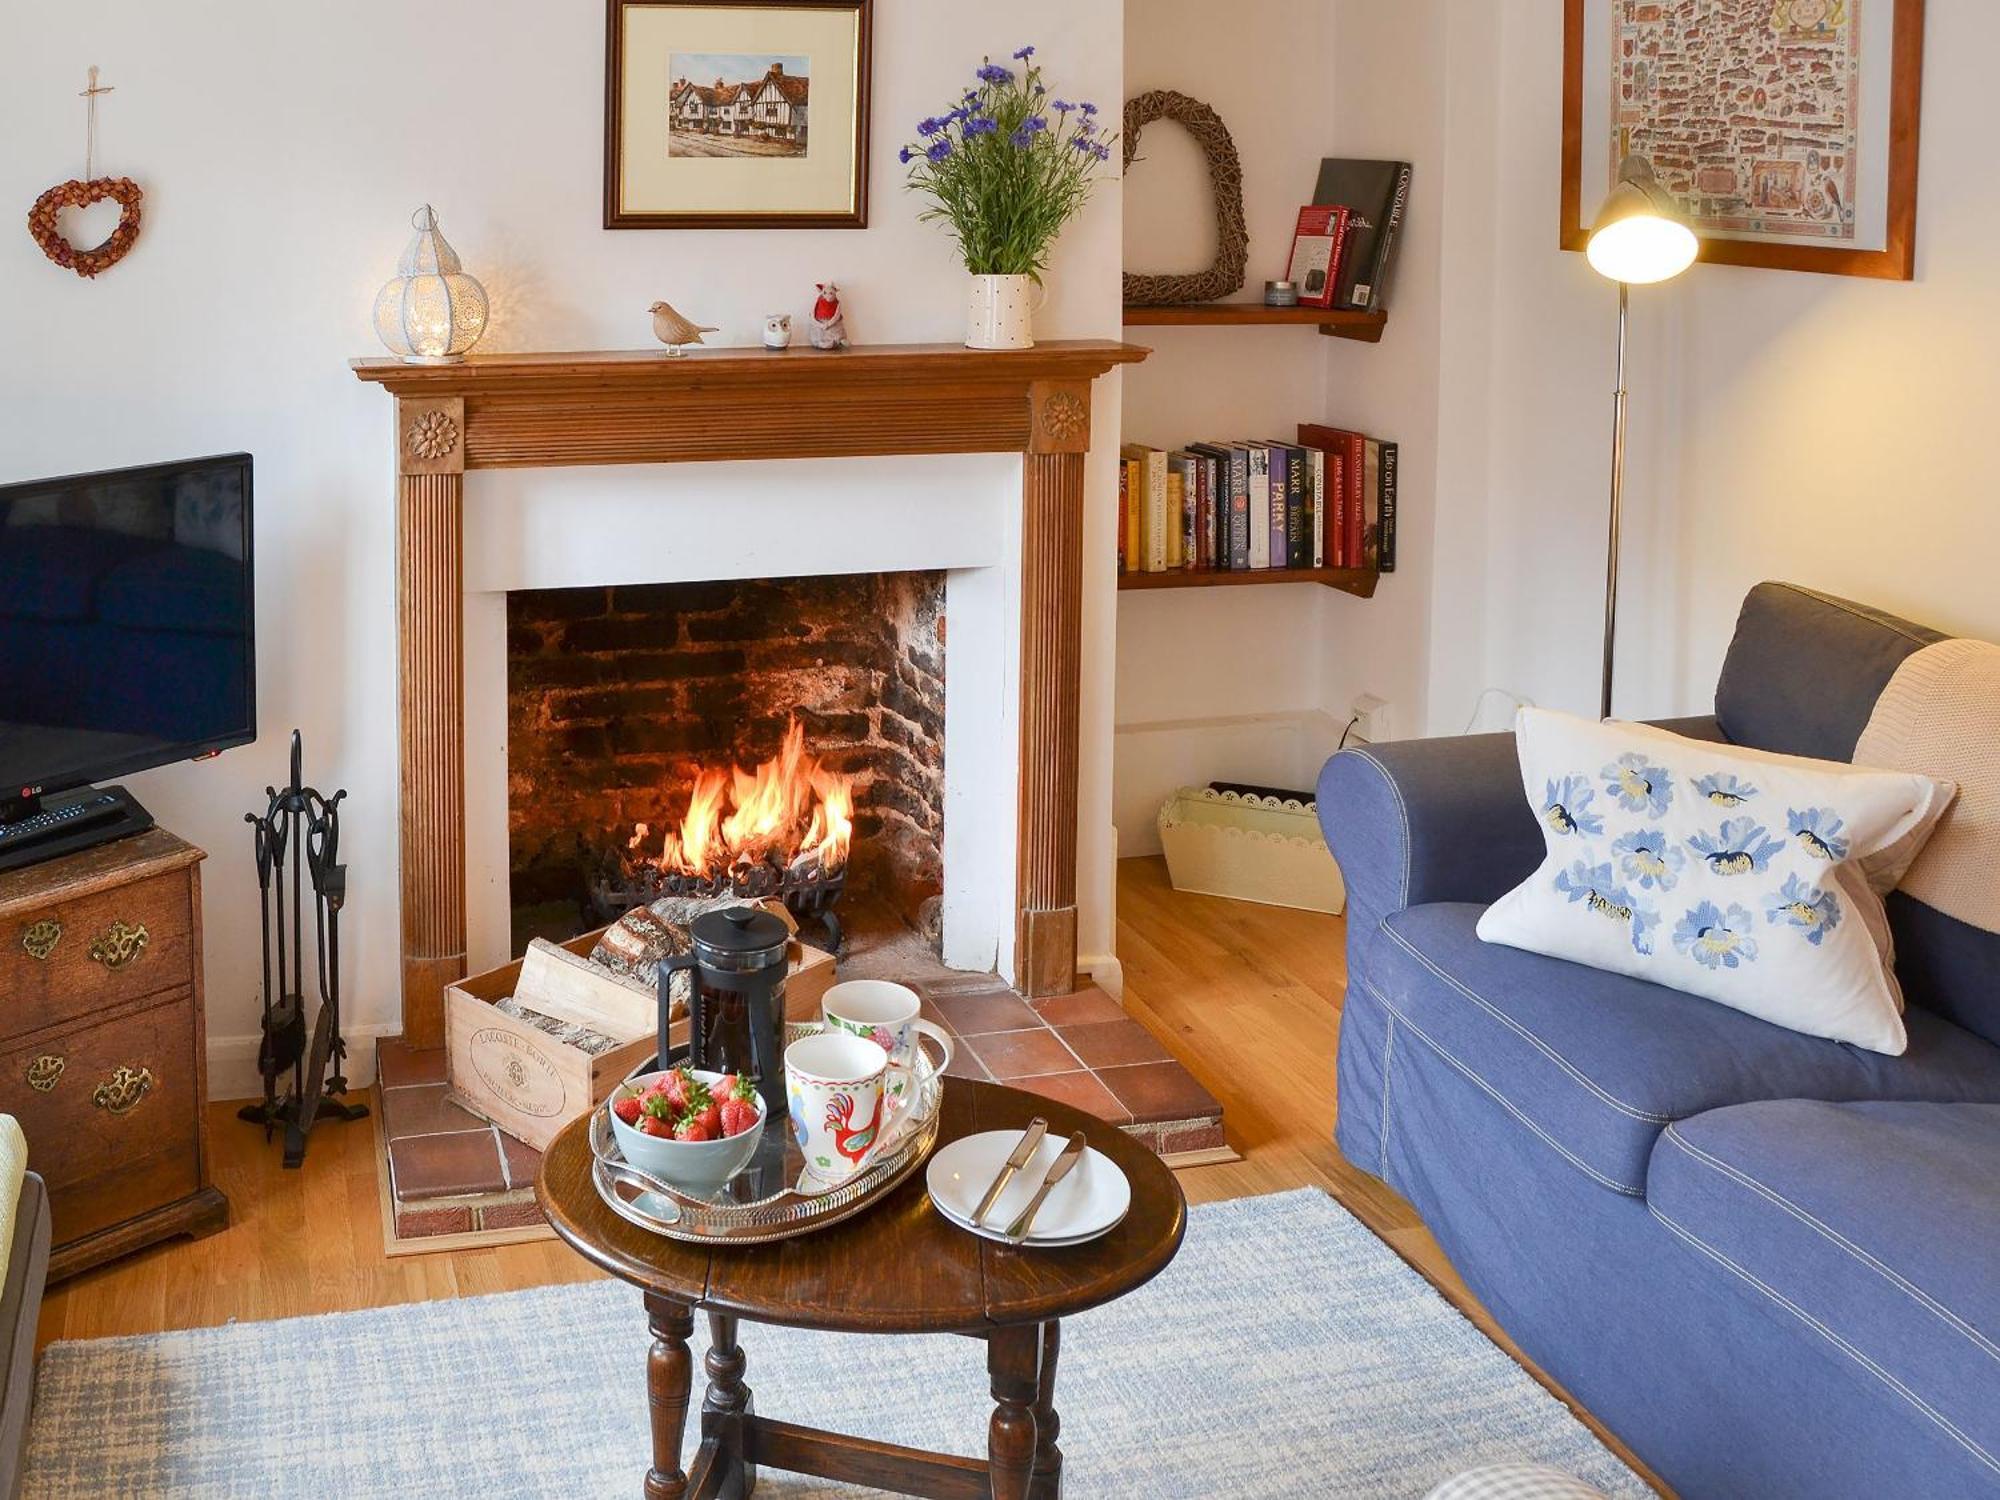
(618,697)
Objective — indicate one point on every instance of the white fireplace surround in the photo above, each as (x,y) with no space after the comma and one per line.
(646,524)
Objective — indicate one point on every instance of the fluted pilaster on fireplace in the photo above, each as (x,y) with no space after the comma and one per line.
(543,410)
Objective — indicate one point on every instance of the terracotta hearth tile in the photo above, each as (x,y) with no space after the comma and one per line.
(442,1166)
(522,1161)
(1160,1091)
(398,1065)
(1112,1044)
(424,1109)
(965,1065)
(974,1015)
(1086,1007)
(423,1223)
(965,984)
(1080,1090)
(510,1215)
(1013,1055)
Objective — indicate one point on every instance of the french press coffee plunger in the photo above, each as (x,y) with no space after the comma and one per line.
(736,998)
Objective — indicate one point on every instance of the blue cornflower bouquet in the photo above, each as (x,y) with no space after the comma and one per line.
(1007,167)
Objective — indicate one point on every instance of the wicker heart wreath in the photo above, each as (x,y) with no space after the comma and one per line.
(77,193)
(1225,173)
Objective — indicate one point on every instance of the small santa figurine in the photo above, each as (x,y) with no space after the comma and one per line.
(829,324)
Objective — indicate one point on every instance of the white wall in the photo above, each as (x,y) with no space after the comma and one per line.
(1829,430)
(282,149)
(1256,684)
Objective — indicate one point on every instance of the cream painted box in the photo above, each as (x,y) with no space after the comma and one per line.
(1264,849)
(531,1082)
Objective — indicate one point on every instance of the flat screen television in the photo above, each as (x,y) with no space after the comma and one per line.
(126,628)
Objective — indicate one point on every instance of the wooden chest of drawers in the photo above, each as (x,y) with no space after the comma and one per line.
(102,1049)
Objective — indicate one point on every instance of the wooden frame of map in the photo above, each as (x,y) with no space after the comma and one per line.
(1799,152)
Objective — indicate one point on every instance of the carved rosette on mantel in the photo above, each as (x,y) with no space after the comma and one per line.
(547,410)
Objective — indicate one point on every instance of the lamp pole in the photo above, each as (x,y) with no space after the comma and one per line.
(1617,508)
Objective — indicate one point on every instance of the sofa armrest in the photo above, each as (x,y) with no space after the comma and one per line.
(1427,820)
(1436,820)
(20,1313)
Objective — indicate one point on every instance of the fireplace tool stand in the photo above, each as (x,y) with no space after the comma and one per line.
(300,829)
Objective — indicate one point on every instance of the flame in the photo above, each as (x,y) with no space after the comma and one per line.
(787,811)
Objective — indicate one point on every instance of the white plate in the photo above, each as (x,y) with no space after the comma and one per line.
(1088,1202)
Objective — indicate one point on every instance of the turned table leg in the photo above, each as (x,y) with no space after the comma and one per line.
(727,1403)
(669,1382)
(1048,1426)
(1013,1362)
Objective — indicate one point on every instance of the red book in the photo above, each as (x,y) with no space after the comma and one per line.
(1317,243)
(1344,521)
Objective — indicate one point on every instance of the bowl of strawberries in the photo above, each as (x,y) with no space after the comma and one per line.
(693,1128)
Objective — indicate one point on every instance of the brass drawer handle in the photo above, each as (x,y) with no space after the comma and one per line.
(122,1091)
(41,938)
(119,946)
(45,1072)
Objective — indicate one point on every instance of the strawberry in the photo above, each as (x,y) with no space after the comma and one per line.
(655,1105)
(738,1115)
(743,1088)
(627,1107)
(674,1085)
(724,1086)
(709,1117)
(654,1125)
(694,1128)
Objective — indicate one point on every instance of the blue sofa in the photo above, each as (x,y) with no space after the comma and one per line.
(1770,1263)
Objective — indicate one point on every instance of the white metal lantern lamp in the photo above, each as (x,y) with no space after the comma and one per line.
(432,312)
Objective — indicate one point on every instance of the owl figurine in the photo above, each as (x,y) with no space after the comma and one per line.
(673,330)
(778,331)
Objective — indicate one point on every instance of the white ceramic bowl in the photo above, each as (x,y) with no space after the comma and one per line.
(694,1164)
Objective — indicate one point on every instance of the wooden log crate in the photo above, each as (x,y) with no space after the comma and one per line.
(531,1082)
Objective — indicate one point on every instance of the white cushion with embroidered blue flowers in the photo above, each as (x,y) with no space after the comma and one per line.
(1752,879)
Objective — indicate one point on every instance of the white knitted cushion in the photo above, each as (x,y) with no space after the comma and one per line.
(13,1167)
(1749,878)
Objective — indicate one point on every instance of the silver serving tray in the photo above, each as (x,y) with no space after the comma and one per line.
(774,1197)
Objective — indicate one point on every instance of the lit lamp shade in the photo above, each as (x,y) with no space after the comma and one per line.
(1640,234)
(432,312)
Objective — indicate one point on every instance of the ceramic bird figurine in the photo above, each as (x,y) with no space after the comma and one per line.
(673,330)
(829,330)
(778,331)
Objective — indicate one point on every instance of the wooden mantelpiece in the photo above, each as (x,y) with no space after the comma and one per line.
(645,406)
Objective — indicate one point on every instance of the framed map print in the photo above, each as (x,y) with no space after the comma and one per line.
(733,114)
(1786,129)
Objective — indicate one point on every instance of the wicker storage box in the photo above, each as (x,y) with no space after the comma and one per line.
(1262,849)
(532,1080)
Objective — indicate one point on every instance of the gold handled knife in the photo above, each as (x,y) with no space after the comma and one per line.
(1024,1152)
(1071,1154)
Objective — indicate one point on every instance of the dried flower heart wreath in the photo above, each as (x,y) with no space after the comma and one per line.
(77,193)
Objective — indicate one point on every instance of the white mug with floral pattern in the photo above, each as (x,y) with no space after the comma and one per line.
(885,1013)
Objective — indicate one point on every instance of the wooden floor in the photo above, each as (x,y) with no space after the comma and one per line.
(1248,997)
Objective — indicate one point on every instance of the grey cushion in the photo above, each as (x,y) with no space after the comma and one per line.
(1804,670)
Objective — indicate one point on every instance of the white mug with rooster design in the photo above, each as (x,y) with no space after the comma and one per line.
(840,1109)
(886,1014)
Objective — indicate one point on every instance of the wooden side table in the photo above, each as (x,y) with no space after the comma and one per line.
(899,1268)
(103,1055)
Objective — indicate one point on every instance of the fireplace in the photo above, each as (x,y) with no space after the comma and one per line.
(771,736)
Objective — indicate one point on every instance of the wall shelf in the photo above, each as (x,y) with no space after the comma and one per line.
(1365,326)
(1357,581)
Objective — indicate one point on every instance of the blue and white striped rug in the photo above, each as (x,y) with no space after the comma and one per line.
(1286,1352)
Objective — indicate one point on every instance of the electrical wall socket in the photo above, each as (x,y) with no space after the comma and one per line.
(1371,719)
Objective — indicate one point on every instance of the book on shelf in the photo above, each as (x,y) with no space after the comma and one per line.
(1375,194)
(1317,241)
(1146,470)
(1327,500)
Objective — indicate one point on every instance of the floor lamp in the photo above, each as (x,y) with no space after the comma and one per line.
(1640,236)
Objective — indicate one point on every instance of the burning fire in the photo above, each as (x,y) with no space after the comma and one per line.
(790,813)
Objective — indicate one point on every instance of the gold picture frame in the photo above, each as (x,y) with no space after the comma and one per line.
(736,114)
